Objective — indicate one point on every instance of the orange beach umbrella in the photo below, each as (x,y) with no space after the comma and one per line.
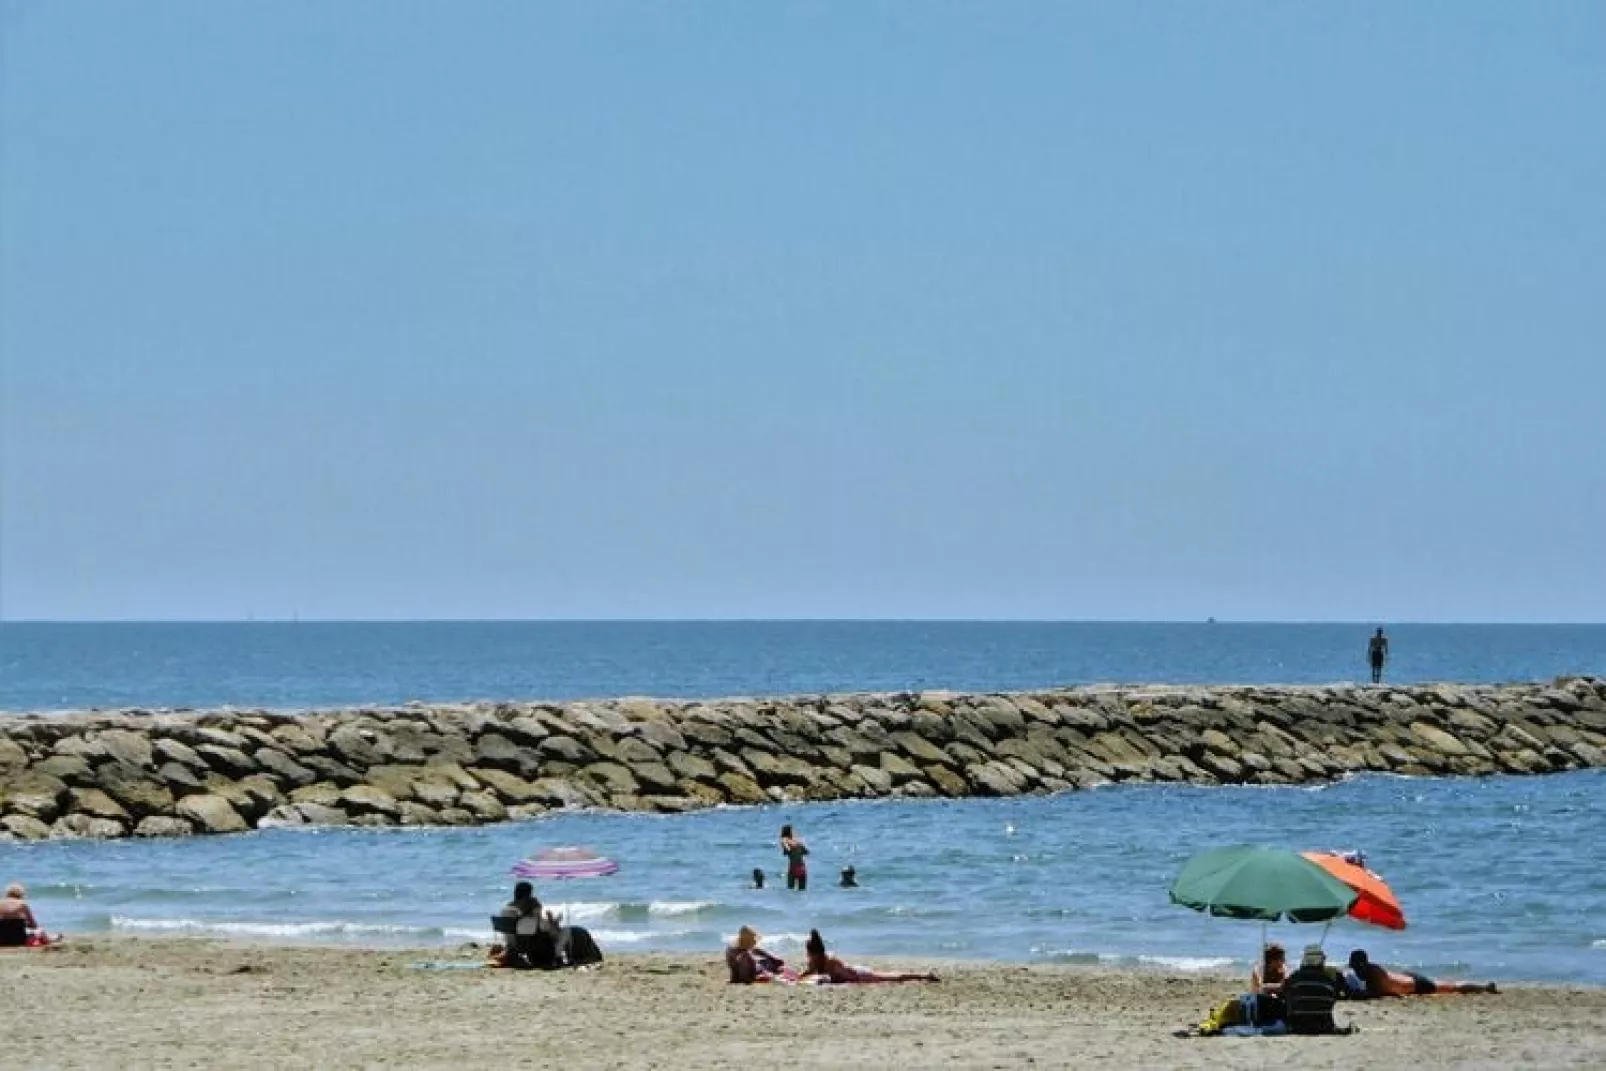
(1375,902)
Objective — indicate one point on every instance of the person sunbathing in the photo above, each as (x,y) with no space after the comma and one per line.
(828,968)
(18,927)
(749,963)
(1382,982)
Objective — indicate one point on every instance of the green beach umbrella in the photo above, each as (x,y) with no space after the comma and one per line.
(1268,884)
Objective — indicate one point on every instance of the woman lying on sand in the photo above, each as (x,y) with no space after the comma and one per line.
(830,969)
(1382,982)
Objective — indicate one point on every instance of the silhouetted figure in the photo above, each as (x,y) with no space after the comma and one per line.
(850,878)
(1377,653)
(758,878)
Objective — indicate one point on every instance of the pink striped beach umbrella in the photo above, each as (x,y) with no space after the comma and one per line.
(560,864)
(564,864)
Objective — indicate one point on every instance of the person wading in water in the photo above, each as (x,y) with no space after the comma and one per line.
(797,871)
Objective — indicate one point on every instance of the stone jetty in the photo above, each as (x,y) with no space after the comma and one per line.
(156,774)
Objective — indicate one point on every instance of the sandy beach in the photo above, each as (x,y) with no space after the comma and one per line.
(101,1002)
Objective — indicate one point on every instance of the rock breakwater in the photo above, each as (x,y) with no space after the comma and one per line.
(138,773)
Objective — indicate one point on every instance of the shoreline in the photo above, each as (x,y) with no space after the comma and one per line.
(185,1000)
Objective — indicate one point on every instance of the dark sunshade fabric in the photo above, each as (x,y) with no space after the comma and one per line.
(1246,882)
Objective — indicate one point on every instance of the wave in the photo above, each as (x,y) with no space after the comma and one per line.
(630,937)
(625,910)
(330,928)
(1110,959)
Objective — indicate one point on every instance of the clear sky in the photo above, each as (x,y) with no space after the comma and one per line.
(916,309)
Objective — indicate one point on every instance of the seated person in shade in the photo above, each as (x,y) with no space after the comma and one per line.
(828,968)
(1271,971)
(1309,995)
(748,962)
(1381,982)
(18,927)
(524,903)
(533,944)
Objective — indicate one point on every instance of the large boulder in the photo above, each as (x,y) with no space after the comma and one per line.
(510,788)
(24,827)
(12,756)
(229,761)
(495,751)
(161,825)
(1437,739)
(70,768)
(482,806)
(95,804)
(87,827)
(329,769)
(613,778)
(33,794)
(876,780)
(692,767)
(210,813)
(285,768)
(366,799)
(301,739)
(655,778)
(566,749)
(127,747)
(739,788)
(355,747)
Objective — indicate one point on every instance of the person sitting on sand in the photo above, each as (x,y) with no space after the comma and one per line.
(1270,973)
(18,927)
(524,903)
(1382,982)
(828,968)
(1309,995)
(748,962)
(533,943)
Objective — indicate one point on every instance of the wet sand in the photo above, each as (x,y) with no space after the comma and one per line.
(118,1002)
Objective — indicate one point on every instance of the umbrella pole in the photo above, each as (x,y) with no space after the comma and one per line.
(1328,925)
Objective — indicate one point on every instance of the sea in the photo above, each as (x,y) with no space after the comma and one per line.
(1501,877)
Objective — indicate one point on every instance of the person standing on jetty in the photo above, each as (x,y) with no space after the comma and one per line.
(797,871)
(1377,653)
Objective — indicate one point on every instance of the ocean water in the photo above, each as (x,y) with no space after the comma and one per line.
(282,665)
(1500,877)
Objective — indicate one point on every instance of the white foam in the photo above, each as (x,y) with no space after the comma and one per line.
(584,909)
(1598,944)
(1183,963)
(333,928)
(679,907)
(777,940)
(630,937)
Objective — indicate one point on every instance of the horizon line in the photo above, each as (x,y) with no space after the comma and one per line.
(1368,623)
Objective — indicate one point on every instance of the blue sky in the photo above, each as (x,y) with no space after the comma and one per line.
(1057,310)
